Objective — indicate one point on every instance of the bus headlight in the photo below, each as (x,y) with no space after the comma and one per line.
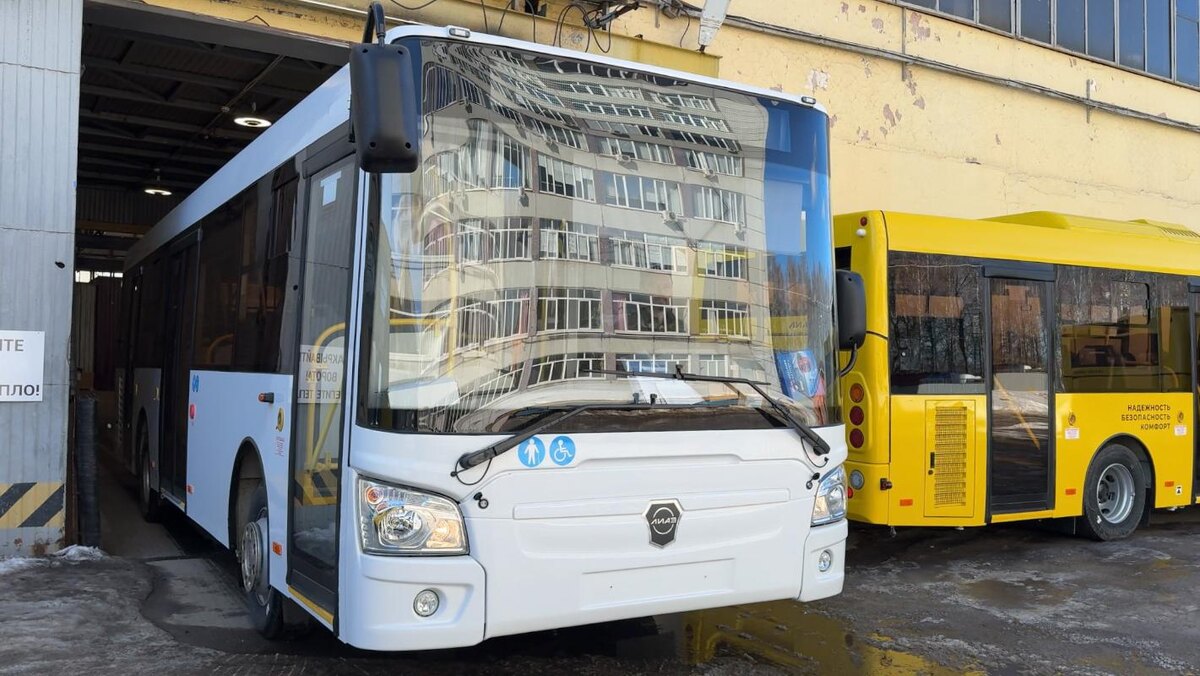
(831,498)
(394,520)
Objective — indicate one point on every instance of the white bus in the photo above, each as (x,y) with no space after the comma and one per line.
(573,360)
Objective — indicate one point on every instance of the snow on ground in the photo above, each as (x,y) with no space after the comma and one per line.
(74,554)
(16,564)
(79,553)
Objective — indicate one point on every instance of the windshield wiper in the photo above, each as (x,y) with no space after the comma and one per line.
(476,458)
(820,446)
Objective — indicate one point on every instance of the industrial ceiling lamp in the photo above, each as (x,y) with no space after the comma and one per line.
(252,120)
(157,189)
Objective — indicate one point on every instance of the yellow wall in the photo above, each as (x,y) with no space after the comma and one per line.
(993,139)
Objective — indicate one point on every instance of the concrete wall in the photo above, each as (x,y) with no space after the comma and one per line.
(39,102)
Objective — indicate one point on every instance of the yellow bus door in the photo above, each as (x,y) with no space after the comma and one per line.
(1194,287)
(1020,438)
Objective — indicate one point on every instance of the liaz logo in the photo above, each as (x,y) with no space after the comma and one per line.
(663,518)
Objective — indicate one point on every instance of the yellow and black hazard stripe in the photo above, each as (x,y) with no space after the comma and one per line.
(32,505)
(318,487)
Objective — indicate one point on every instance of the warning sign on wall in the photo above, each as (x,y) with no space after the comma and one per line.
(21,365)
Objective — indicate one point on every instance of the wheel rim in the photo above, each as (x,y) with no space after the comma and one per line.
(254,559)
(1115,493)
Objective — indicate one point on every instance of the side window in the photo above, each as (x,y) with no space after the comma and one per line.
(267,243)
(218,289)
(1122,331)
(255,210)
(936,311)
(147,345)
(1174,334)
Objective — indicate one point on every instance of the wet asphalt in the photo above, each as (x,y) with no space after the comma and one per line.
(1003,599)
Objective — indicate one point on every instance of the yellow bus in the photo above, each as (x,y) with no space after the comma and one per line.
(1032,366)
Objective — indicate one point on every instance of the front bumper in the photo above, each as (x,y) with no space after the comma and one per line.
(818,585)
(377,608)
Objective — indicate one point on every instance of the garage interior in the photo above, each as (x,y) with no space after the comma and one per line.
(165,99)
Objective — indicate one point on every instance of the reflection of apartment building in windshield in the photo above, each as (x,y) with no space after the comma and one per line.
(576,217)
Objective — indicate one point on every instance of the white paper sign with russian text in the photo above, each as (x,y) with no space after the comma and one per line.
(22,365)
(321,370)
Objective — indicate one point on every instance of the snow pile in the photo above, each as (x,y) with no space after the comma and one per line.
(79,553)
(17,564)
(74,554)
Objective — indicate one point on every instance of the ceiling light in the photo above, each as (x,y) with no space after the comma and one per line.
(252,122)
(156,188)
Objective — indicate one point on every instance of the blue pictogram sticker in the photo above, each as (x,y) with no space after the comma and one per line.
(196,383)
(532,452)
(562,451)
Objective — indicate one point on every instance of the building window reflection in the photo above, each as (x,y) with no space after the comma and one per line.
(652,363)
(573,366)
(561,309)
(566,179)
(640,192)
(644,313)
(724,318)
(649,252)
(568,240)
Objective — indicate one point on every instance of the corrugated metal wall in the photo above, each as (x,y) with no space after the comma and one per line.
(39,112)
(98,205)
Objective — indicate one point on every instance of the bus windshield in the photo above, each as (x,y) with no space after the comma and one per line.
(570,218)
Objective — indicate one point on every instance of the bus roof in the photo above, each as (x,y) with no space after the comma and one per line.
(1049,237)
(328,106)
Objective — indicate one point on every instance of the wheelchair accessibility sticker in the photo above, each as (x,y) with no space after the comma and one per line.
(533,452)
(562,451)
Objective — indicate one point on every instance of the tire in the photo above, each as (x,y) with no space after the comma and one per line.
(149,501)
(263,603)
(1114,494)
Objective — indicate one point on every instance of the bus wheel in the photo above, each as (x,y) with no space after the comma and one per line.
(148,500)
(1114,494)
(263,603)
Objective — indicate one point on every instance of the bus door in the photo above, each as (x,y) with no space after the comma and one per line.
(329,198)
(177,362)
(1194,287)
(1020,438)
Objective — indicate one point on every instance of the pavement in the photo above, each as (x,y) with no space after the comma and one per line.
(1003,600)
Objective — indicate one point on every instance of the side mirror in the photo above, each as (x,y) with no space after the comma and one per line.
(384,112)
(851,310)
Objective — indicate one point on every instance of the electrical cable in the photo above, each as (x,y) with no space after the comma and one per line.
(685,29)
(483,10)
(503,14)
(605,49)
(562,18)
(413,9)
(487,468)
(588,21)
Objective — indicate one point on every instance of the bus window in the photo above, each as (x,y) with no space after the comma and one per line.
(936,325)
(218,291)
(1115,336)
